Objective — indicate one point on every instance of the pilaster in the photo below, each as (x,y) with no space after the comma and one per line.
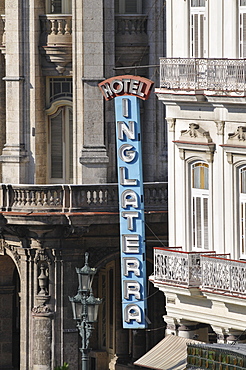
(14,155)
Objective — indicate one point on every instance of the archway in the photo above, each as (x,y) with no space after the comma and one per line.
(9,315)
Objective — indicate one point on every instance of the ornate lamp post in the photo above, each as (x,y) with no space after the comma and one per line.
(85,308)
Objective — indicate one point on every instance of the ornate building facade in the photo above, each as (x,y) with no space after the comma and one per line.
(58,174)
(202,84)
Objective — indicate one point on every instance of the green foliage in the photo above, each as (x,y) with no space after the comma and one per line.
(63,367)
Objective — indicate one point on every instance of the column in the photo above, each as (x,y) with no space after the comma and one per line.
(93,158)
(188,329)
(14,155)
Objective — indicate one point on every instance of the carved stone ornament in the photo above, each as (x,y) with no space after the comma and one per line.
(195,140)
(42,255)
(236,145)
(195,132)
(237,137)
(41,310)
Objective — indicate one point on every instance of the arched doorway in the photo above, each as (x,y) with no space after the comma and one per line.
(9,314)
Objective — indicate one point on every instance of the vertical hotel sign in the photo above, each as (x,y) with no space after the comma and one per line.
(126,91)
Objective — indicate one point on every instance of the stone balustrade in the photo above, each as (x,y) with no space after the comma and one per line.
(130,24)
(203,74)
(56,29)
(223,276)
(74,198)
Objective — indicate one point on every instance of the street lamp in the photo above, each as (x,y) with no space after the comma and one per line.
(85,308)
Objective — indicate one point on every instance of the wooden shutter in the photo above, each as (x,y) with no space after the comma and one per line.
(56,146)
(242,35)
(197,35)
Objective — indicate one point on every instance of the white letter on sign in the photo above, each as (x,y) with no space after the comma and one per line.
(129,215)
(129,198)
(126,153)
(131,287)
(131,264)
(130,243)
(124,181)
(132,312)
(124,129)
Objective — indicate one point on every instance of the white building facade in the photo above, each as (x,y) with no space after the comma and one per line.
(58,174)
(202,84)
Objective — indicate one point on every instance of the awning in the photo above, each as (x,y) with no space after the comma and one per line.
(169,354)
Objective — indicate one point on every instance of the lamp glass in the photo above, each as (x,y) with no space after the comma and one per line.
(77,310)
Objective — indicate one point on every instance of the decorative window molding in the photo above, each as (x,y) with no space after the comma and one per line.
(195,140)
(235,148)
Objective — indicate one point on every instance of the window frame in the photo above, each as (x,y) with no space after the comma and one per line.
(66,7)
(64,107)
(197,12)
(203,195)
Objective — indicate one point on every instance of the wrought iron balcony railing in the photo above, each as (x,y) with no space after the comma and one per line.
(75,198)
(223,276)
(175,267)
(208,271)
(203,74)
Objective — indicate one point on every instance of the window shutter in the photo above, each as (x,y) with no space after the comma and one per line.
(205,222)
(70,144)
(56,141)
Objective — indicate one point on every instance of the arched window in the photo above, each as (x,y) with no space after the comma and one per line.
(197,14)
(59,6)
(243,210)
(60,145)
(200,199)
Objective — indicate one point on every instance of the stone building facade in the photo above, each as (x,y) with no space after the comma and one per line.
(202,275)
(58,174)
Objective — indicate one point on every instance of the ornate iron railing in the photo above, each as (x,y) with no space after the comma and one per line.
(203,74)
(176,267)
(224,276)
(75,198)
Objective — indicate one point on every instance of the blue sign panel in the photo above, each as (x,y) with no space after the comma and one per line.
(131,209)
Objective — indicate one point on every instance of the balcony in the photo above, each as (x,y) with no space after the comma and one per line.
(208,271)
(74,198)
(216,75)
(55,42)
(178,268)
(223,276)
(131,39)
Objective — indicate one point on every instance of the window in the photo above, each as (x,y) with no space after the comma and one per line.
(60,129)
(200,198)
(59,6)
(243,211)
(197,13)
(197,3)
(242,29)
(60,88)
(128,6)
(61,145)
